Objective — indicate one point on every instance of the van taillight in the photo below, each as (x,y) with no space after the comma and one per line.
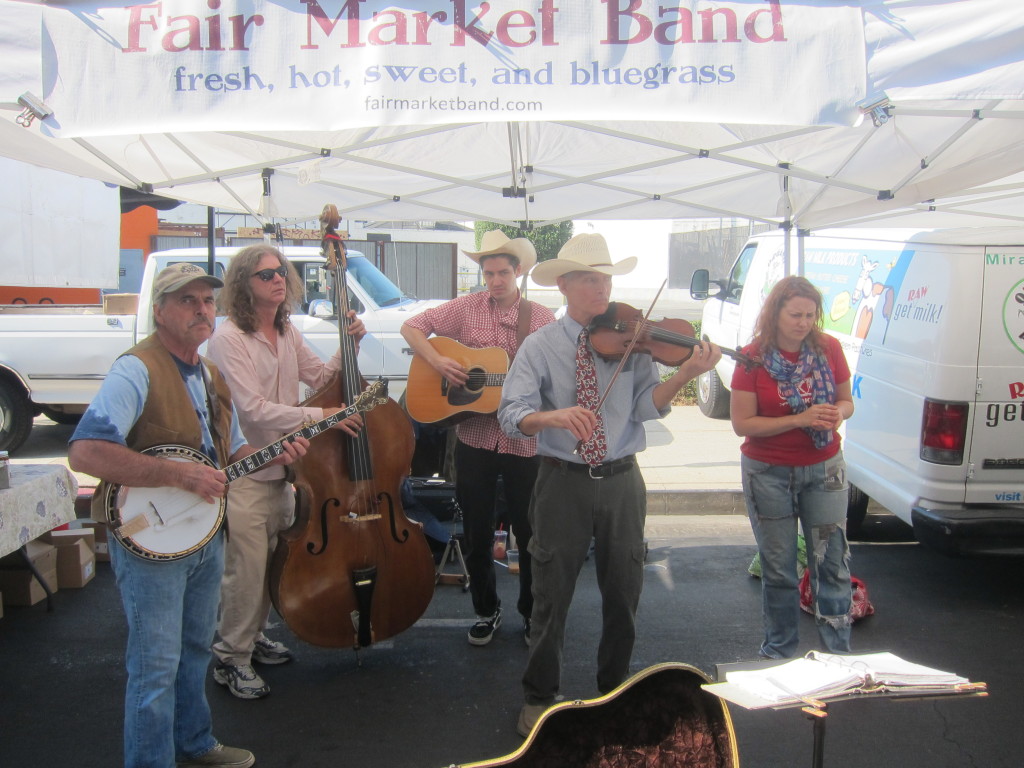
(943,432)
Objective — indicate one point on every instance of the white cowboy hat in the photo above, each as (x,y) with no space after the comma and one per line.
(583,253)
(495,243)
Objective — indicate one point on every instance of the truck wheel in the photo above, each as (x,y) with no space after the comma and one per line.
(60,417)
(15,417)
(712,397)
(856,511)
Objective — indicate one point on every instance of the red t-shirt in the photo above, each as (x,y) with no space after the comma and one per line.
(793,448)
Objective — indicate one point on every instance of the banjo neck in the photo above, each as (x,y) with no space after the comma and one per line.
(259,459)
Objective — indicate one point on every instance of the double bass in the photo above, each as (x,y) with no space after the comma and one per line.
(352,569)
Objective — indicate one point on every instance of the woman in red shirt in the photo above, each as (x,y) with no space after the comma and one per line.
(789,410)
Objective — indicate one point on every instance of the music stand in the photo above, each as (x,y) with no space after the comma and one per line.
(817,711)
(453,552)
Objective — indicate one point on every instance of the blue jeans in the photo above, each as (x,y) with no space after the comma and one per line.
(171,609)
(817,495)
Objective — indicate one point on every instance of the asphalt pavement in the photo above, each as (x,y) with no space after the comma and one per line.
(427,699)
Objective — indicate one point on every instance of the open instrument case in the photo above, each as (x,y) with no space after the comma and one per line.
(659,718)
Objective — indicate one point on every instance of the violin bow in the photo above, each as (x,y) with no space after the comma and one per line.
(625,356)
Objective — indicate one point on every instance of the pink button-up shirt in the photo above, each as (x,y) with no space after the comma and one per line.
(264,383)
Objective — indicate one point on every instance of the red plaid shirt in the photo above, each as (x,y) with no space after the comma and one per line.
(476,321)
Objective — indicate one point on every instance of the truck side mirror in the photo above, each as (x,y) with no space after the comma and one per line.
(700,283)
(322,309)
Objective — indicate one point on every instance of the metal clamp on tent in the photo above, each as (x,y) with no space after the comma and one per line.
(34,107)
(876,107)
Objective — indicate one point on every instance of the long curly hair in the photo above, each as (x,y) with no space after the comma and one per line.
(236,296)
(766,329)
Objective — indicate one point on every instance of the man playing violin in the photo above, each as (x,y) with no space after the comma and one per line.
(589,486)
(494,318)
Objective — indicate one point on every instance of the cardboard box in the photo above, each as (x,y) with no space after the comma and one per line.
(101,542)
(76,563)
(17,582)
(42,554)
(20,587)
(120,303)
(62,537)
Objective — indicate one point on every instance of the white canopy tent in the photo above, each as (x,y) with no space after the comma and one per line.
(804,113)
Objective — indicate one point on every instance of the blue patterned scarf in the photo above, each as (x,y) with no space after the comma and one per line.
(789,375)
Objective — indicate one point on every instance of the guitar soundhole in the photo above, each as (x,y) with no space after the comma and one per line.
(477,379)
(471,391)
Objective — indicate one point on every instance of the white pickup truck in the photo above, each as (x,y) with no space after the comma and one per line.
(53,357)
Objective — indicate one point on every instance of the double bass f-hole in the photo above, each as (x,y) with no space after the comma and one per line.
(331,505)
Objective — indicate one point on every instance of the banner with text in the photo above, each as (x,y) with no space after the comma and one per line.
(182,65)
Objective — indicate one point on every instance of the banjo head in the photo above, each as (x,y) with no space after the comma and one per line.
(169,523)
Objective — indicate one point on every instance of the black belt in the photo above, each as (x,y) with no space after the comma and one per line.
(597,472)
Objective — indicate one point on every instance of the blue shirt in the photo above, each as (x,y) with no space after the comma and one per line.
(119,403)
(543,378)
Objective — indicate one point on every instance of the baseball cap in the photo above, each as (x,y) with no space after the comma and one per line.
(178,276)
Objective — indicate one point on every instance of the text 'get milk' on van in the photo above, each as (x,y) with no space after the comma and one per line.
(932,324)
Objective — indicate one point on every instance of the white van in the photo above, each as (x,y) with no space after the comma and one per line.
(932,323)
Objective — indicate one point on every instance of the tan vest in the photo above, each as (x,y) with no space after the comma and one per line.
(168,416)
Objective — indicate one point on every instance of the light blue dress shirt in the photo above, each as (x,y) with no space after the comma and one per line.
(543,378)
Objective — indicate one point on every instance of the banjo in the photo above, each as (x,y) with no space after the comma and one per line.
(170,523)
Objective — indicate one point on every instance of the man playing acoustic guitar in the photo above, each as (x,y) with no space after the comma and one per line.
(162,392)
(497,317)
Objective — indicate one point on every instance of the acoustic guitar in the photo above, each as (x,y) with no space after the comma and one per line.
(430,398)
(170,523)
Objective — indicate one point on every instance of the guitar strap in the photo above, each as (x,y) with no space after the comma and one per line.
(523,326)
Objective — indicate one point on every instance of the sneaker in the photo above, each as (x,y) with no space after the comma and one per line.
(221,755)
(528,717)
(267,651)
(526,632)
(242,681)
(482,632)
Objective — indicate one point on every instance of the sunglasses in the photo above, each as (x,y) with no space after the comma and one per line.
(266,275)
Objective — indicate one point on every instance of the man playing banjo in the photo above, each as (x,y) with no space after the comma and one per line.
(162,392)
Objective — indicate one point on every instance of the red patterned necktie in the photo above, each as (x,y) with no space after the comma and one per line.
(593,451)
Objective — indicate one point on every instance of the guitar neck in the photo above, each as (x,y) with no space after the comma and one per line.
(259,459)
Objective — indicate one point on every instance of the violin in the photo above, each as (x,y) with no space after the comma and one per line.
(668,341)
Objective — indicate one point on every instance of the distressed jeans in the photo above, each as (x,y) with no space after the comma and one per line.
(776,497)
(171,609)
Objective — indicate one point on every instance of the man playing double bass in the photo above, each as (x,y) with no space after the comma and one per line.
(263,357)
(589,485)
(492,318)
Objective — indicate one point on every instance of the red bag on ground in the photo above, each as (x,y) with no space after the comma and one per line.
(859,608)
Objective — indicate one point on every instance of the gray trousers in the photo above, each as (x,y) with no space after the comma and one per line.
(567,510)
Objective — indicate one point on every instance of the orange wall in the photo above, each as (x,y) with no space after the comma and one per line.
(137,230)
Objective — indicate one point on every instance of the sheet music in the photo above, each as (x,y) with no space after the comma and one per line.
(889,669)
(822,676)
